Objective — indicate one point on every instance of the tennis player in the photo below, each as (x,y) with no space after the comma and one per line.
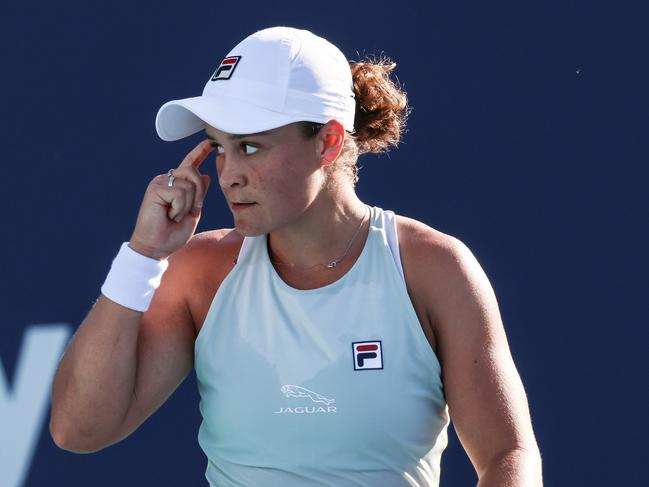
(332,340)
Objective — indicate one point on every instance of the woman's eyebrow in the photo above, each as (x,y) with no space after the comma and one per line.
(239,136)
(243,136)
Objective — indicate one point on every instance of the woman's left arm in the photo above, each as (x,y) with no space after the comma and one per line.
(484,392)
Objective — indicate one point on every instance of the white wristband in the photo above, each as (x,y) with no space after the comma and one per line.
(133,279)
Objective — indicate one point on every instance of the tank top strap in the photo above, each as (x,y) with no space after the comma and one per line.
(387,220)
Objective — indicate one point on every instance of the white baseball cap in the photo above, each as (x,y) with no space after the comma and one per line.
(272,78)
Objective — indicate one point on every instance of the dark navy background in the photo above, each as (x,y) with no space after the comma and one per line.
(528,141)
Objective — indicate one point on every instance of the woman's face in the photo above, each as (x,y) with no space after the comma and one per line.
(268,179)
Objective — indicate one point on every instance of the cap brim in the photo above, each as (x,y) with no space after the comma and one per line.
(181,118)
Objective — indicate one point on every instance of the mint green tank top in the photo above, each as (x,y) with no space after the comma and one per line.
(335,386)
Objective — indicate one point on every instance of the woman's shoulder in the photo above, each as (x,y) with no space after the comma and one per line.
(212,245)
(422,242)
(435,263)
(205,259)
(441,272)
(200,266)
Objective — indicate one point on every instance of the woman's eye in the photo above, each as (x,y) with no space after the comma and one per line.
(249,149)
(246,148)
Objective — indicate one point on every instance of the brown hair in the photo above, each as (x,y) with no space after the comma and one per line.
(381,113)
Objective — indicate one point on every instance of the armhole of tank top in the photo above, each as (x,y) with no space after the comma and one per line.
(392,236)
(429,354)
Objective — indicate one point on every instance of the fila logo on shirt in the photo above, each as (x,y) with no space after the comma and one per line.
(226,68)
(368,355)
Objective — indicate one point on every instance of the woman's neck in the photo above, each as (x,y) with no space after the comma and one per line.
(327,230)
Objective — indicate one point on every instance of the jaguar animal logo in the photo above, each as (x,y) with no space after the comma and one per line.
(297,391)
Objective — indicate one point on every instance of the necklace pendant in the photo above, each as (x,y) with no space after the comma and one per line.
(331,265)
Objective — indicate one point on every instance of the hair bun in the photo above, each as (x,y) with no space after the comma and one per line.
(381,105)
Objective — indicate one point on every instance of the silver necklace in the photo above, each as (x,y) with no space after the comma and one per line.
(333,263)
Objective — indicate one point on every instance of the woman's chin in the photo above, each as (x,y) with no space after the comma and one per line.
(248,230)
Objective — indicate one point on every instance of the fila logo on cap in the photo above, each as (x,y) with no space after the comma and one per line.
(226,68)
(367,355)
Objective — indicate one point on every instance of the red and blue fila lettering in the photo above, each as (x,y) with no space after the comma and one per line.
(368,355)
(226,68)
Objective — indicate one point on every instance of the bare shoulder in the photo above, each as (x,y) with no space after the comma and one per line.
(197,269)
(444,280)
(208,244)
(440,269)
(423,243)
(204,252)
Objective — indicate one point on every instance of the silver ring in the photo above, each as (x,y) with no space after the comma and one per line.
(171,176)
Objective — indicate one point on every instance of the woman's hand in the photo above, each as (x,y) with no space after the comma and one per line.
(168,216)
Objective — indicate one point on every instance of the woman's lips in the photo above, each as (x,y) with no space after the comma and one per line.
(241,206)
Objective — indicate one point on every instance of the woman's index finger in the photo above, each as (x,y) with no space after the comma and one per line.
(197,155)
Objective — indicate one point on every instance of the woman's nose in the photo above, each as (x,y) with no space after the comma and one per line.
(229,171)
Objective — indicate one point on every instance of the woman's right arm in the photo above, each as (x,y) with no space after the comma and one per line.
(121,364)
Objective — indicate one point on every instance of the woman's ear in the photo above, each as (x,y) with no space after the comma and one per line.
(331,138)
